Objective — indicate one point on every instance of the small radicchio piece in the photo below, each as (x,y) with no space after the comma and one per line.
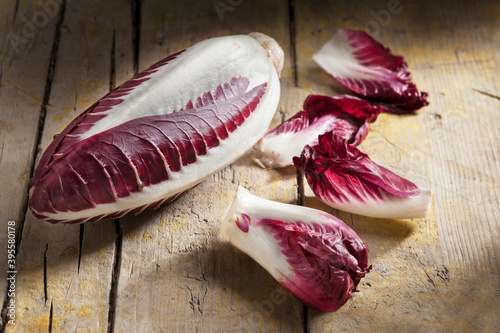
(347,116)
(314,255)
(162,132)
(368,68)
(345,178)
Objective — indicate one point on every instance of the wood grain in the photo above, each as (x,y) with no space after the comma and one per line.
(176,275)
(24,58)
(67,269)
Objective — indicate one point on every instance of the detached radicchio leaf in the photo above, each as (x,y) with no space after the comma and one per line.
(314,255)
(345,178)
(347,116)
(368,68)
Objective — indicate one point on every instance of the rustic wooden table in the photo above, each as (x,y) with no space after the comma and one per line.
(167,270)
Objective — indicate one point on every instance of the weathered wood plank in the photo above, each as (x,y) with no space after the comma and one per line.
(175,273)
(66,270)
(177,276)
(426,272)
(433,274)
(25,51)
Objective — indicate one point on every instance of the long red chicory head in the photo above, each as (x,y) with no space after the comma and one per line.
(314,255)
(162,132)
(347,116)
(343,177)
(363,65)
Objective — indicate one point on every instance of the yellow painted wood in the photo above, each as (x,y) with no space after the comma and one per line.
(24,62)
(64,279)
(176,275)
(435,274)
(440,273)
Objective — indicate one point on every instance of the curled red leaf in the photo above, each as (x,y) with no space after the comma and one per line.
(345,115)
(365,66)
(345,178)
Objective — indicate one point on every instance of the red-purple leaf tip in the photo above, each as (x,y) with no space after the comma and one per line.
(354,115)
(363,65)
(328,260)
(313,254)
(347,116)
(97,111)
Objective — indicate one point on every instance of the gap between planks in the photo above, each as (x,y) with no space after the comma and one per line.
(117,260)
(300,174)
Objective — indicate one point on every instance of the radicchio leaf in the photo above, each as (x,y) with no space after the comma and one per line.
(160,133)
(345,178)
(368,68)
(314,255)
(347,116)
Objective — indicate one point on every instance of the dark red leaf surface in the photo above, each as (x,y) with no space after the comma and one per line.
(338,172)
(328,260)
(122,160)
(368,68)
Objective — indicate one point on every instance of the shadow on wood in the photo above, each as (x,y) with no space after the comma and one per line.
(381,235)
